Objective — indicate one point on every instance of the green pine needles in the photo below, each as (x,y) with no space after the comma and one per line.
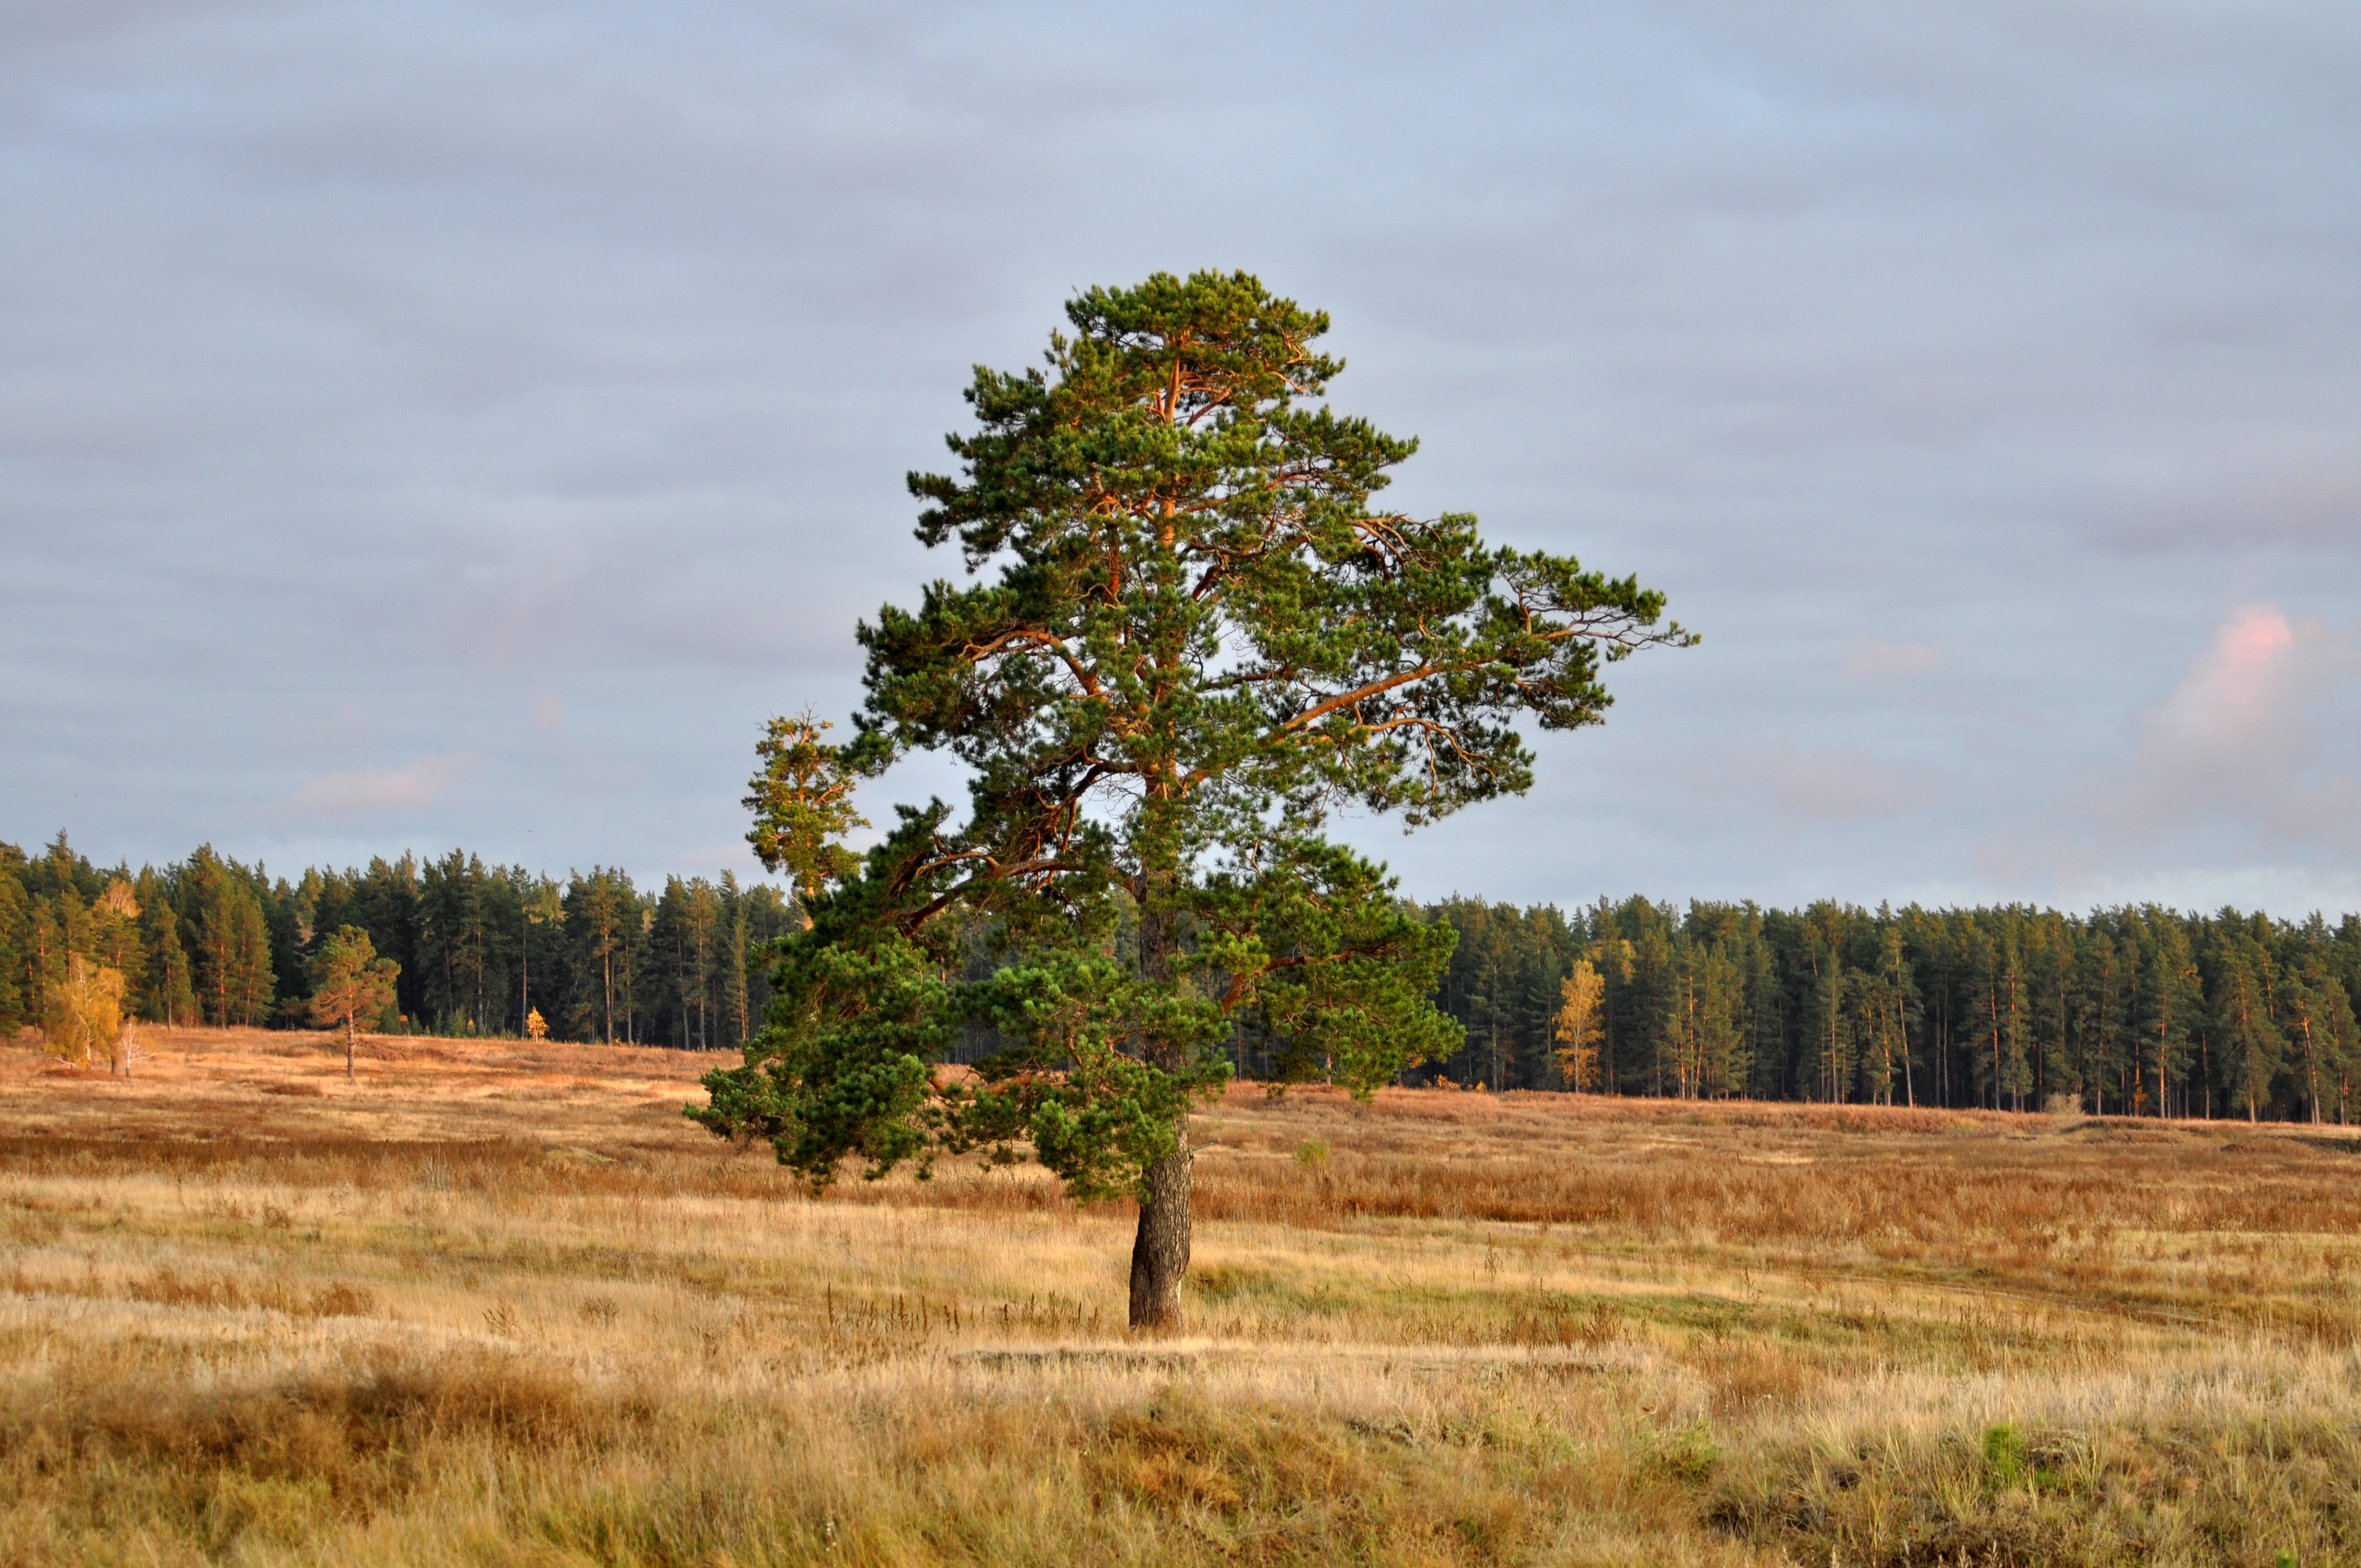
(1188,637)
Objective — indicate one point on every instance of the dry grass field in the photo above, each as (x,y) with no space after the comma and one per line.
(497,1303)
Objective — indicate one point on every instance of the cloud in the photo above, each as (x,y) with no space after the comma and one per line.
(2246,764)
(1873,661)
(338,728)
(1834,785)
(2303,492)
(2237,706)
(419,359)
(353,792)
(2251,741)
(1795,783)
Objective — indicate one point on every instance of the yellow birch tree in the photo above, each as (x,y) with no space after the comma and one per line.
(84,1014)
(1577,1026)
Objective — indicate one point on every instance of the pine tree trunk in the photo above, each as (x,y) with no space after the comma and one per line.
(348,1047)
(1159,1253)
(1901,1024)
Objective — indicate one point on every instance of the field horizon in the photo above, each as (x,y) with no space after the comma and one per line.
(498,1301)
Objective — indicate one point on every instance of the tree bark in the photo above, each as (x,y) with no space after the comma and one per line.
(1159,1253)
(348,1049)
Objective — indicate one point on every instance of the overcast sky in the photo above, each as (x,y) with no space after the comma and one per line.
(464,423)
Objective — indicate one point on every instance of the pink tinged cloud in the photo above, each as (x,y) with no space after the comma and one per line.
(353,792)
(2245,766)
(2259,735)
(2239,691)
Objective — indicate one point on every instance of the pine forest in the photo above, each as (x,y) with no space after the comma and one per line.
(2133,1011)
(481,950)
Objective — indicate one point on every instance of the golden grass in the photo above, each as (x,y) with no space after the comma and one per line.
(501,1303)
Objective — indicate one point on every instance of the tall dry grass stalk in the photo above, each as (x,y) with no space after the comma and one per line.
(498,1304)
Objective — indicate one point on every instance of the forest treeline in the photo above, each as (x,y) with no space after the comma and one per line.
(482,949)
(2140,1011)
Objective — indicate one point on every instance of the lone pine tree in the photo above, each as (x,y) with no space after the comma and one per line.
(1186,639)
(351,985)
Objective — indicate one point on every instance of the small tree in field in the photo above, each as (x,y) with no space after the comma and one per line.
(1193,640)
(1581,996)
(84,1017)
(351,985)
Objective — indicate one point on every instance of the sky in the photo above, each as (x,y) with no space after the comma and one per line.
(465,424)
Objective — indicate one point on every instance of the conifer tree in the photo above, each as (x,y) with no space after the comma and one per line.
(2252,1048)
(600,916)
(1716,1040)
(45,958)
(168,994)
(72,922)
(2315,1019)
(1830,1039)
(1901,1013)
(16,920)
(1195,638)
(249,984)
(2340,1043)
(2099,1007)
(351,985)
(115,933)
(2015,1062)
(455,946)
(2170,1000)
(384,900)
(232,950)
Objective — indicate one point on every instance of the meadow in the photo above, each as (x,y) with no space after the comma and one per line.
(495,1302)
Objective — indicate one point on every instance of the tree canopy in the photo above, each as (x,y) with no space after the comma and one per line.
(1189,636)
